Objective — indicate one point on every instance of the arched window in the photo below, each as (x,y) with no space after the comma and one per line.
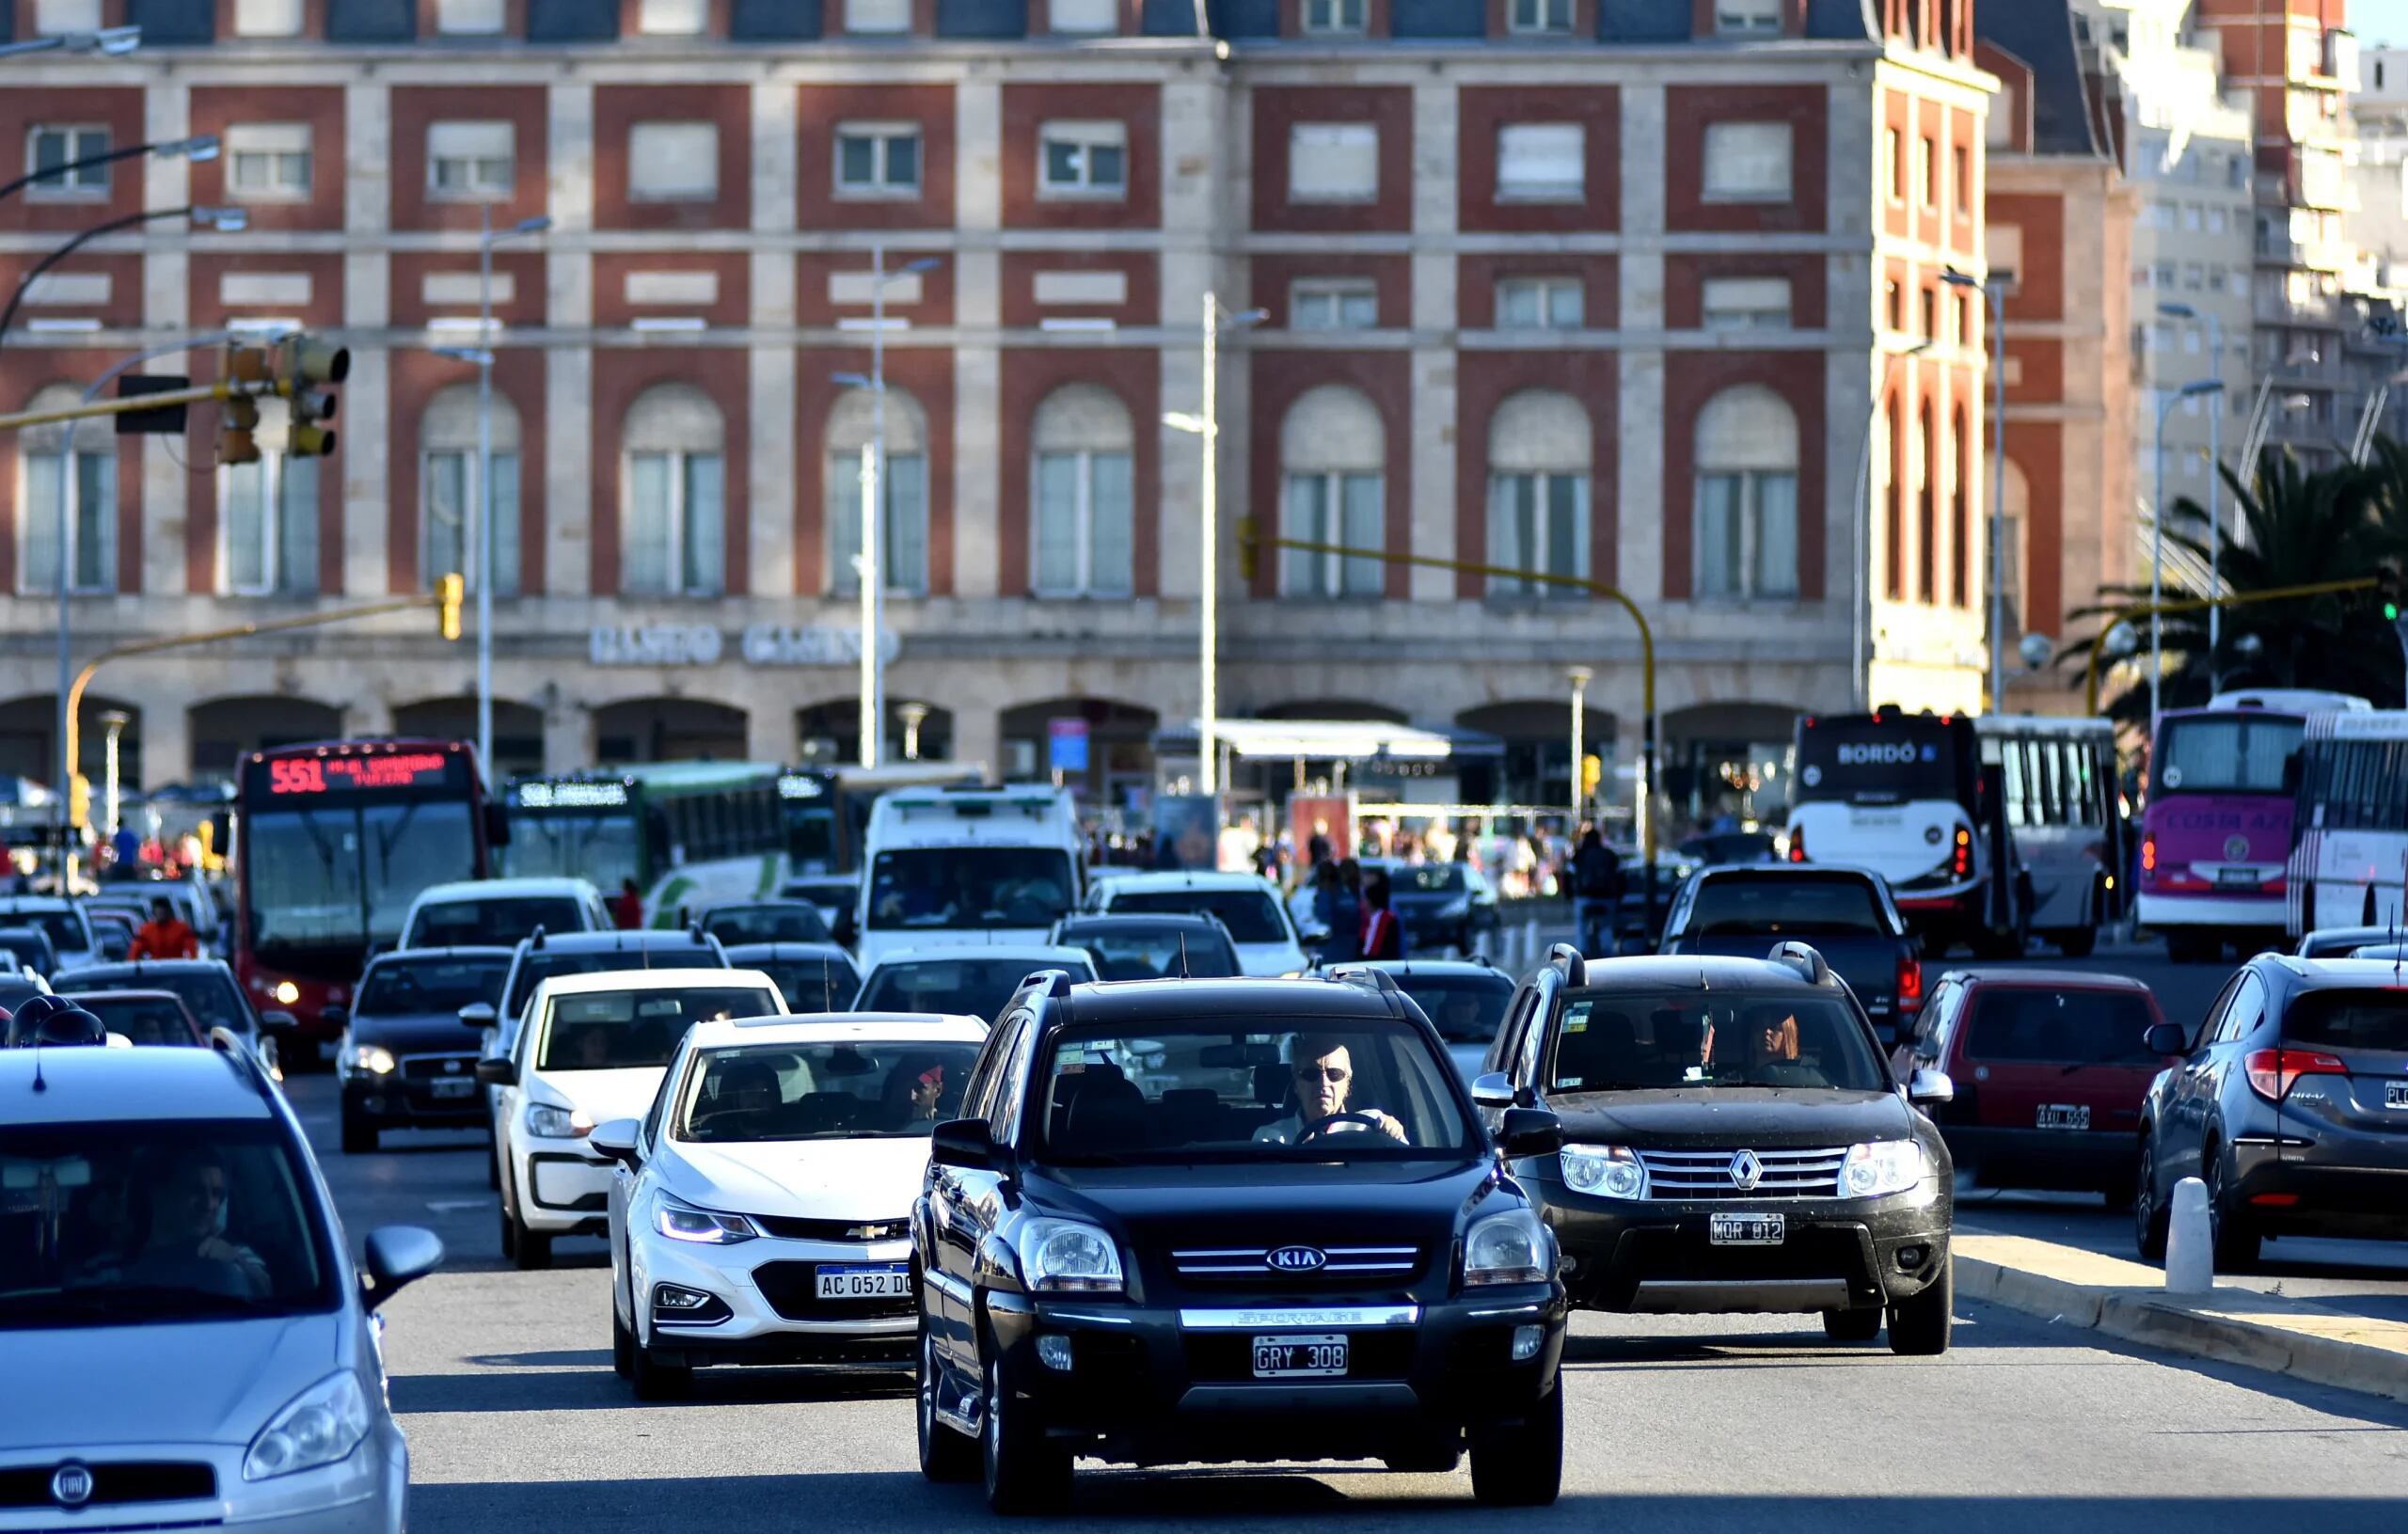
(675,538)
(1539,452)
(268,514)
(1747,496)
(450,498)
(68,484)
(1084,495)
(1926,471)
(1331,448)
(1960,510)
(903,488)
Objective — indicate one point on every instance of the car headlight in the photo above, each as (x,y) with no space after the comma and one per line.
(374,1059)
(319,1426)
(287,993)
(1884,1167)
(682,1222)
(1069,1257)
(1508,1248)
(551,1123)
(1608,1171)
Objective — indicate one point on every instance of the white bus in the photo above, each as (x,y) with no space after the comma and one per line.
(2058,781)
(2349,861)
(950,867)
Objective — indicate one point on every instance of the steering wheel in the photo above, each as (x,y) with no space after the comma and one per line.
(1369,1121)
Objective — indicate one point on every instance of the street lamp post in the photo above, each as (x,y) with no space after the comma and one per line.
(1996,310)
(1861,586)
(1207,427)
(114,721)
(873,579)
(2216,468)
(1580,675)
(2166,400)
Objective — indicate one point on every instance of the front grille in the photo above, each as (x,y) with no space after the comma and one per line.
(1252,1263)
(419,1068)
(855,1231)
(1706,1174)
(792,1290)
(137,1480)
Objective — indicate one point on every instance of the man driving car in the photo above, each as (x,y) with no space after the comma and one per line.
(1322,1087)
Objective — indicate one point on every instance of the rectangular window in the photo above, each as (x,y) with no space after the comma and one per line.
(1539,303)
(267,18)
(1746,302)
(49,148)
(267,161)
(1894,164)
(1085,17)
(1334,508)
(877,159)
(1333,304)
(877,17)
(1083,159)
(1538,522)
(449,488)
(676,524)
(51,17)
(1962,177)
(78,489)
(1746,162)
(1085,522)
(1541,16)
(1324,16)
(1333,162)
(1747,535)
(672,162)
(2004,249)
(270,517)
(1542,161)
(903,552)
(1747,18)
(672,18)
(470,162)
(1927,173)
(469,18)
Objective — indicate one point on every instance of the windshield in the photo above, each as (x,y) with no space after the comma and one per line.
(1143,953)
(143,1019)
(811,985)
(2350,1020)
(603,847)
(494,920)
(2060,1028)
(852,1090)
(430,986)
(64,929)
(968,887)
(1251,915)
(1184,1091)
(209,993)
(787,922)
(628,1030)
(1787,906)
(810,839)
(2225,753)
(1465,1009)
(343,878)
(537,965)
(127,1222)
(973,987)
(1870,762)
(1658,1040)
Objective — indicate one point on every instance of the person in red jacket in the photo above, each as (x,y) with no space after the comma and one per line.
(1383,933)
(164,936)
(627,906)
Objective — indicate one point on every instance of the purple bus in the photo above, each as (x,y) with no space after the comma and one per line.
(2216,831)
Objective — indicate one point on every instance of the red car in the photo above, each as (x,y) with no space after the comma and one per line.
(2049,1066)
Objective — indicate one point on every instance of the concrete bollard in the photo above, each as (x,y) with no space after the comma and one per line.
(2190,1242)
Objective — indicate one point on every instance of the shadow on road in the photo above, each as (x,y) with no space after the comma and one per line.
(559,1389)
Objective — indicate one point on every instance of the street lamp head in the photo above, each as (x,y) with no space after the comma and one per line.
(2037,650)
(1919,347)
(1956,279)
(2121,641)
(2205,385)
(113,41)
(196,149)
(1182,421)
(925,263)
(224,220)
(2177,311)
(1248,319)
(476,355)
(536,225)
(853,380)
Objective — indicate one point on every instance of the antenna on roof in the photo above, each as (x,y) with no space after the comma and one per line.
(40,1085)
(1183,956)
(827,984)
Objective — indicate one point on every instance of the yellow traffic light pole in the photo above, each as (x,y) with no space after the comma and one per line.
(2146,609)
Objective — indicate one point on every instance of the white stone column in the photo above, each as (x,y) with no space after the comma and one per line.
(774,479)
(1639,507)
(573,436)
(1435,448)
(1195,150)
(977,363)
(169,486)
(367,306)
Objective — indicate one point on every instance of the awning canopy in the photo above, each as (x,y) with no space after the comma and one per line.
(1334,740)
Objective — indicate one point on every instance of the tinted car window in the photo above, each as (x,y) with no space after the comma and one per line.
(496,922)
(1465,1009)
(627,1030)
(25,948)
(824,1091)
(2349,1020)
(209,993)
(537,966)
(2059,1028)
(64,932)
(15,990)
(1785,907)
(1687,1039)
(1123,954)
(791,922)
(977,987)
(811,984)
(144,1019)
(1251,915)
(425,986)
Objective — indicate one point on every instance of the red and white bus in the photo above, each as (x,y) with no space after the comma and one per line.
(332,843)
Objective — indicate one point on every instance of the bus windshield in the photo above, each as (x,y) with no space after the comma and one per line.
(2225,753)
(1892,761)
(602,846)
(332,879)
(968,887)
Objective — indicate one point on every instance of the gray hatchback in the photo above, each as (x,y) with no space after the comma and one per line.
(173,1277)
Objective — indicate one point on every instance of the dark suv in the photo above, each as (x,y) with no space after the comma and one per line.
(2291,1105)
(1733,1141)
(1230,1220)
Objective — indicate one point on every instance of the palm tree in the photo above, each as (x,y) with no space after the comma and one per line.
(2302,526)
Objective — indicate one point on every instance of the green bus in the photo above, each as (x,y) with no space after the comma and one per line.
(691,835)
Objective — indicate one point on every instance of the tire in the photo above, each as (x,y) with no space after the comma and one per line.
(2150,1216)
(653,1380)
(623,1344)
(1522,1466)
(529,1250)
(1851,1326)
(1919,1324)
(1024,1473)
(509,1236)
(493,1166)
(945,1456)
(2235,1240)
(358,1138)
(2077,942)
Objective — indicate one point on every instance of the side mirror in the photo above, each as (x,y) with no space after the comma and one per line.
(1529,1131)
(962,1141)
(498,1071)
(616,1139)
(333,1017)
(2166,1039)
(476,1015)
(399,1254)
(1492,1091)
(1929,1085)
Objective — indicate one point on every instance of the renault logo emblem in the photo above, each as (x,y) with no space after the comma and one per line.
(70,1486)
(1745,1171)
(1296,1259)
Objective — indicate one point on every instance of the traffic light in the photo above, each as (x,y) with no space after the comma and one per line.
(448,592)
(1249,548)
(238,419)
(1593,772)
(79,800)
(2391,591)
(305,373)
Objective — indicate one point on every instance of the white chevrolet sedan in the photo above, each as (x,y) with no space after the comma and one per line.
(761,1210)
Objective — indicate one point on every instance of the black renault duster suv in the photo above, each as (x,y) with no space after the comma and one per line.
(1734,1140)
(1231,1220)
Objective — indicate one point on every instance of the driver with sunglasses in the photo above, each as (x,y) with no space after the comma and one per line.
(1321,1083)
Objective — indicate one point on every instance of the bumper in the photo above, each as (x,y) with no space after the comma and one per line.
(2060,1158)
(1156,1387)
(2325,1190)
(393,1101)
(1658,1257)
(2251,912)
(365,1493)
(768,1310)
(563,1189)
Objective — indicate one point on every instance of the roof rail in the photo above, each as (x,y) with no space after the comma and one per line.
(1575,967)
(536,939)
(1805,958)
(1049,982)
(1368,975)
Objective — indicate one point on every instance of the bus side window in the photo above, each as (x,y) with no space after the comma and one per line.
(2018,810)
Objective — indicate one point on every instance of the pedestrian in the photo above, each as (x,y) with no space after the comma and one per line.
(164,936)
(1597,891)
(627,906)
(1337,910)
(1383,933)
(125,851)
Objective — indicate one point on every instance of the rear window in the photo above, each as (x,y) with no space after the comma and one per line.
(537,967)
(1464,1010)
(461,924)
(1251,915)
(626,1030)
(430,986)
(144,1019)
(1787,906)
(792,921)
(2350,1020)
(2060,1028)
(811,984)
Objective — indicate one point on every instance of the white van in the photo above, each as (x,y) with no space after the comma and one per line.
(502,911)
(958,866)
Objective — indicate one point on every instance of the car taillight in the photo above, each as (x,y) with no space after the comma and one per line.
(2149,854)
(1910,981)
(1797,844)
(2271,1072)
(1961,860)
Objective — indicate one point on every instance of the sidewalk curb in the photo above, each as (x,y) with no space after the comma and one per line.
(2156,1320)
